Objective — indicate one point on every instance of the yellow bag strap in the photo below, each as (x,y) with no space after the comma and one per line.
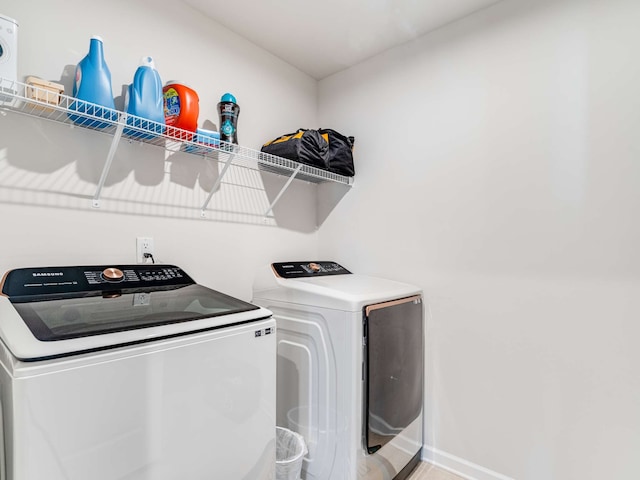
(282,139)
(285,138)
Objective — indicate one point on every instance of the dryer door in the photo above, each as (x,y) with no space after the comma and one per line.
(393,355)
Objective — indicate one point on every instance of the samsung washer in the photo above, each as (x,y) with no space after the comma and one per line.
(133,372)
(350,368)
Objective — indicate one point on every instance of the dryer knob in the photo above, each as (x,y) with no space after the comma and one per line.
(112,274)
(315,268)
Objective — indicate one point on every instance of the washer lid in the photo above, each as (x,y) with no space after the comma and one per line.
(346,291)
(57,311)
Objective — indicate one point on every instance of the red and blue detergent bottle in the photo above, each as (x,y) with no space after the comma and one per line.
(181,110)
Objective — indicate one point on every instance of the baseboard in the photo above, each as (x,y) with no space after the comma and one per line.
(459,466)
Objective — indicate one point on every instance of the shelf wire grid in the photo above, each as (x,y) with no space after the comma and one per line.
(51,105)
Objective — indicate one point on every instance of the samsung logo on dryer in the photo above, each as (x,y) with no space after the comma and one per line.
(48,274)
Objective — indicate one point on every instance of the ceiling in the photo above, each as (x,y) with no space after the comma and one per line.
(322,37)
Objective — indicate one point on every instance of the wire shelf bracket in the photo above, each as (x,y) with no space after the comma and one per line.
(217,184)
(122,120)
(282,190)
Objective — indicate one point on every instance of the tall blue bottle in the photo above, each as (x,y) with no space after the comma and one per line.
(93,84)
(145,99)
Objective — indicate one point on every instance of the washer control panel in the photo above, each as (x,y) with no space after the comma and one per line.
(60,280)
(308,269)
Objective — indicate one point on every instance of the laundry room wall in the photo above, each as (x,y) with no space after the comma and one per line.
(49,172)
(497,167)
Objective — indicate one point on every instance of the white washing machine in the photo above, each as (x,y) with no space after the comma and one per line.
(350,368)
(133,372)
(8,57)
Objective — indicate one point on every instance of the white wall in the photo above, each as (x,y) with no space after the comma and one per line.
(49,172)
(497,168)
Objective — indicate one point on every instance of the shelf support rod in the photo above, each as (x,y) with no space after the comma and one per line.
(216,185)
(284,188)
(107,164)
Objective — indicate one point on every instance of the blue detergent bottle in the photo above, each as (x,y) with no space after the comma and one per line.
(93,84)
(145,99)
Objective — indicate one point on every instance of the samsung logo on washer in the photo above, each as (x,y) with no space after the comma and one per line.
(47,274)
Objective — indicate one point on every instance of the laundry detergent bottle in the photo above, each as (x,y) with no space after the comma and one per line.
(93,84)
(181,110)
(228,110)
(144,99)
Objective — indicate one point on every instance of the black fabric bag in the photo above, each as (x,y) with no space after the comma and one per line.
(324,148)
(340,152)
(304,146)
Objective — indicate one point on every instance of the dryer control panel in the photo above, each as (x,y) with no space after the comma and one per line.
(308,269)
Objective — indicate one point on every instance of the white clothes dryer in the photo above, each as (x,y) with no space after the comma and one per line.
(350,368)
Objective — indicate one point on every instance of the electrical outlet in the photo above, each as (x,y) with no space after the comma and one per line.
(144,245)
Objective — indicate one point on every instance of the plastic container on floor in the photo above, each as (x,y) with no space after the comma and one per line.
(290,450)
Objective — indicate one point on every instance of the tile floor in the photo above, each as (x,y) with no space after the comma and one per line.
(426,471)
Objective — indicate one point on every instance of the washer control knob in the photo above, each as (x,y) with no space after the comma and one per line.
(315,268)
(112,274)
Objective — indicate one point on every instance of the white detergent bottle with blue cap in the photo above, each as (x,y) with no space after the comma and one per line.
(93,84)
(145,99)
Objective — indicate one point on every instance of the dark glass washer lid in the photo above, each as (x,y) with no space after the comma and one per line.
(61,303)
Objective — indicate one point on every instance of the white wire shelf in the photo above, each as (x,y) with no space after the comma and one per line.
(49,105)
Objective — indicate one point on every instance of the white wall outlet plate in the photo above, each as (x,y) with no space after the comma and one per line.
(144,245)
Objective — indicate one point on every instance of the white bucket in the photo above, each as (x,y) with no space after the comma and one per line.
(290,450)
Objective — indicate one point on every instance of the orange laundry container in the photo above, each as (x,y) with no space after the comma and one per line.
(181,110)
